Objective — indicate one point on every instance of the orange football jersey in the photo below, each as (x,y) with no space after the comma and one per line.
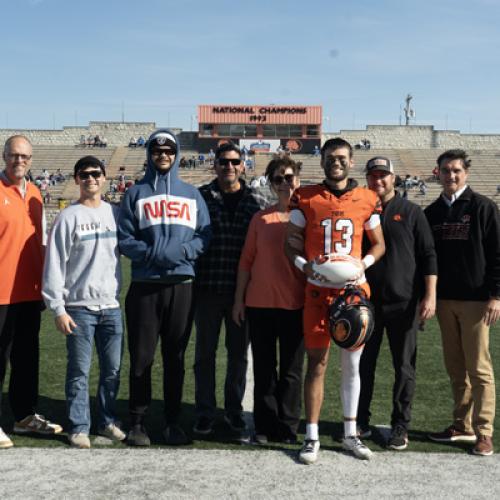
(335,225)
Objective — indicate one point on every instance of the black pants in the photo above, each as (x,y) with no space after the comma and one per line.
(277,398)
(401,326)
(210,310)
(19,343)
(156,311)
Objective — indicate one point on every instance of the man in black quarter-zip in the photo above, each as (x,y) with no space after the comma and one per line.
(466,229)
(403,284)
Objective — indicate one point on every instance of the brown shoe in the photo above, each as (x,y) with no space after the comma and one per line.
(484,446)
(451,435)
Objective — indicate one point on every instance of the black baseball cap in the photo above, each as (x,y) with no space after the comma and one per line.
(379,163)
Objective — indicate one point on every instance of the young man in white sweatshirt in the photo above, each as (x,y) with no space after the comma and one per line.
(81,285)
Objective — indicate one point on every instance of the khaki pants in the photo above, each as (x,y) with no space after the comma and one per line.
(467,359)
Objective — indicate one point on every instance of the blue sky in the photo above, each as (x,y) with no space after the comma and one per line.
(68,61)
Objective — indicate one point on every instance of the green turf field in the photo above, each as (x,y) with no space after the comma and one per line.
(431,409)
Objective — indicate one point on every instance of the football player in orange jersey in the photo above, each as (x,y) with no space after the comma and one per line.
(331,217)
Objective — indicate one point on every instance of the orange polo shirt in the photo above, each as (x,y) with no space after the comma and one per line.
(21,250)
(274,281)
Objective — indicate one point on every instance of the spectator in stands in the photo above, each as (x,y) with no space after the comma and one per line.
(60,177)
(132,143)
(466,228)
(316,151)
(211,156)
(401,302)
(90,141)
(163,244)
(22,249)
(141,142)
(231,204)
(97,141)
(83,141)
(498,189)
(81,287)
(183,162)
(423,188)
(270,295)
(104,142)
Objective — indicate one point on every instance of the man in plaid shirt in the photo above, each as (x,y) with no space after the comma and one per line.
(231,204)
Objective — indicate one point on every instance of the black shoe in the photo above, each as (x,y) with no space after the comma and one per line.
(289,439)
(398,439)
(175,436)
(204,425)
(137,436)
(236,422)
(364,431)
(261,439)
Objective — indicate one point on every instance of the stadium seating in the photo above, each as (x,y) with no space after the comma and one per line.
(484,174)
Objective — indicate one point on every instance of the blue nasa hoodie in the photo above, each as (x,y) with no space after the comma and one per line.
(164,225)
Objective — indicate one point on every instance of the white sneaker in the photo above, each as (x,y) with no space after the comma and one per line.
(36,424)
(5,441)
(356,447)
(79,440)
(308,454)
(113,432)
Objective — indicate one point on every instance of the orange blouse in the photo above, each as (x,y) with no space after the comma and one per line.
(274,281)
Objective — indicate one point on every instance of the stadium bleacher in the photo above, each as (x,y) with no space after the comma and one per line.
(484,173)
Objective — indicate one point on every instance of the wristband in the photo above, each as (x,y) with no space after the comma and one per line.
(368,260)
(300,262)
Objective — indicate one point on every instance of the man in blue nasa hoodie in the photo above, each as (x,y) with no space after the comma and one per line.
(163,227)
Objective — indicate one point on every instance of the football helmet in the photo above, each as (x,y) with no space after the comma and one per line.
(351,318)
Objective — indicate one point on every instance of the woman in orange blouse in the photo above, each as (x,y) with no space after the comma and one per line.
(270,295)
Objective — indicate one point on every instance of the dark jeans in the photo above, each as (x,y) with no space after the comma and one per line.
(210,310)
(154,311)
(277,397)
(401,326)
(19,330)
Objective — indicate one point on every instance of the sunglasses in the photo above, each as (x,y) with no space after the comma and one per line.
(279,179)
(159,152)
(224,162)
(96,174)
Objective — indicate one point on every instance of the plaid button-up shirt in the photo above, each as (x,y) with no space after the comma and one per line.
(216,269)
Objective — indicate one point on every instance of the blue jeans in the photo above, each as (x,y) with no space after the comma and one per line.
(106,327)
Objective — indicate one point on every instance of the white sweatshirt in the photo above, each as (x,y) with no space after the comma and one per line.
(82,262)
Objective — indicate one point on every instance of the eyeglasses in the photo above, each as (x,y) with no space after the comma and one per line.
(224,162)
(279,179)
(14,156)
(159,152)
(331,160)
(96,174)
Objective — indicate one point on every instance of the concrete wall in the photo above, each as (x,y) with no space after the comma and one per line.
(117,133)
(417,137)
(380,136)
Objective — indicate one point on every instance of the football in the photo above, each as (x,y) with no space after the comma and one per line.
(338,269)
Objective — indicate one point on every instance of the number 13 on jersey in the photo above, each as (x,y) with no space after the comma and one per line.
(345,230)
